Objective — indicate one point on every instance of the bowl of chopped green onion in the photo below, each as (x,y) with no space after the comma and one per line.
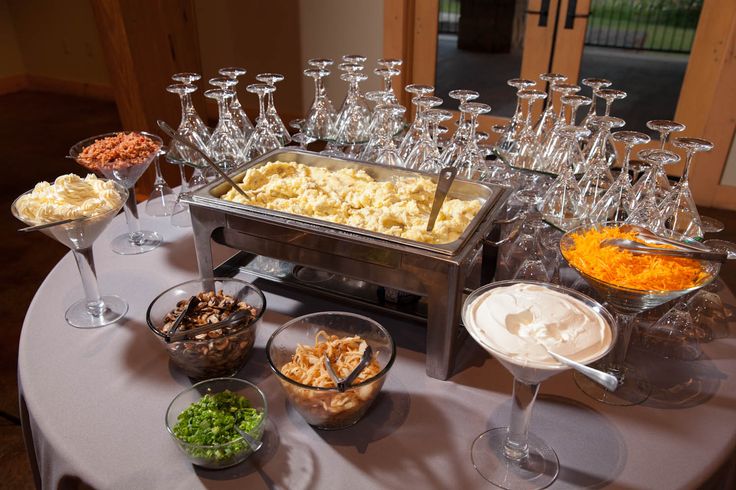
(203,419)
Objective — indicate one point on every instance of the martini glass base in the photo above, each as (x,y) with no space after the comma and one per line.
(79,316)
(536,471)
(136,243)
(632,391)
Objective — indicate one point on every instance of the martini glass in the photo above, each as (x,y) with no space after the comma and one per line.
(162,200)
(512,457)
(646,210)
(94,310)
(277,125)
(527,142)
(262,139)
(595,84)
(626,303)
(320,120)
(188,110)
(418,125)
(239,115)
(506,146)
(548,118)
(136,241)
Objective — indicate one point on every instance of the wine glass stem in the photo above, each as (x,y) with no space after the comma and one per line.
(86,265)
(131,217)
(157,166)
(619,351)
(686,171)
(515,447)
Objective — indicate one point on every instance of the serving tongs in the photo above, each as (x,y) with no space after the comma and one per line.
(651,237)
(54,223)
(444,181)
(344,384)
(681,252)
(227,322)
(174,136)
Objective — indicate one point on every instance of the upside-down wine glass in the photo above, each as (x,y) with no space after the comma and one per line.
(226,143)
(433,161)
(626,304)
(543,160)
(188,129)
(471,161)
(561,203)
(512,457)
(94,310)
(188,106)
(595,84)
(262,139)
(136,241)
(679,212)
(527,142)
(414,132)
(381,147)
(618,201)
(597,178)
(646,211)
(506,146)
(239,115)
(320,120)
(277,125)
(424,145)
(547,120)
(354,118)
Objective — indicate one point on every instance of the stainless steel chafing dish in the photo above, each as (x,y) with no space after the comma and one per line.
(435,271)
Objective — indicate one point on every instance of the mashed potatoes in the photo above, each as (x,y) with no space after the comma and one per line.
(352,197)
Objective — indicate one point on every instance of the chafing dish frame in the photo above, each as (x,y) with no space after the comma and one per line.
(438,272)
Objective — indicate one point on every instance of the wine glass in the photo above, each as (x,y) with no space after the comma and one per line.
(417,126)
(354,118)
(188,108)
(561,204)
(277,125)
(94,310)
(188,129)
(471,161)
(320,120)
(136,241)
(646,211)
(679,212)
(618,201)
(161,200)
(595,84)
(381,147)
(262,139)
(512,457)
(506,146)
(225,146)
(626,303)
(665,127)
(239,115)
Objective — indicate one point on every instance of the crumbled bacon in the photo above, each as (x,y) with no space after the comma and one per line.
(120,151)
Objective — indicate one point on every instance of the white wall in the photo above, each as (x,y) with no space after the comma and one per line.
(332,28)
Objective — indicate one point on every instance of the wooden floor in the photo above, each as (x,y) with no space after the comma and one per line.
(36,130)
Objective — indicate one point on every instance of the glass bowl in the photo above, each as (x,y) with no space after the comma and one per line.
(222,352)
(629,300)
(326,407)
(227,454)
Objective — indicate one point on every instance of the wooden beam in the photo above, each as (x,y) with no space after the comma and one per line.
(144,43)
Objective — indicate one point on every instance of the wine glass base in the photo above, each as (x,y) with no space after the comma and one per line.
(78,315)
(137,243)
(538,470)
(160,204)
(632,391)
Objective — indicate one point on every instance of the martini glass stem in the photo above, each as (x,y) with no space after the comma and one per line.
(86,265)
(516,446)
(621,348)
(131,217)
(686,172)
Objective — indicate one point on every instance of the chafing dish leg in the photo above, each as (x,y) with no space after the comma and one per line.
(203,224)
(443,322)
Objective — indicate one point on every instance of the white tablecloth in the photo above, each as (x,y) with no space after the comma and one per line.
(96,401)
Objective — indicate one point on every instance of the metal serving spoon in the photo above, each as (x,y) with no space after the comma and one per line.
(609,381)
(172,134)
(444,181)
(642,248)
(54,223)
(344,384)
(254,445)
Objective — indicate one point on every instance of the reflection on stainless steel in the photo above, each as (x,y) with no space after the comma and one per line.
(437,272)
(307,274)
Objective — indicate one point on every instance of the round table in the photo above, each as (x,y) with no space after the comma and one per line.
(93,403)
